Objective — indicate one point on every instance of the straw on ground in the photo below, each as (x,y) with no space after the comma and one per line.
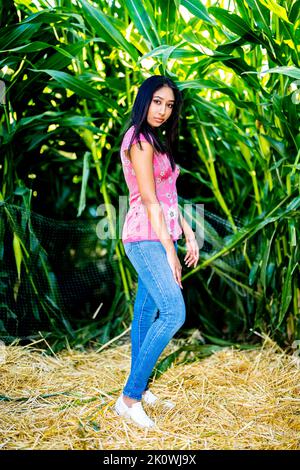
(230,400)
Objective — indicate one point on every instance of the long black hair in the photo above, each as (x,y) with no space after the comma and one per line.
(138,117)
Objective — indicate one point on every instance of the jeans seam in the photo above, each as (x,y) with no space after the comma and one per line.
(155,280)
(140,319)
(145,354)
(139,322)
(163,326)
(162,296)
(165,305)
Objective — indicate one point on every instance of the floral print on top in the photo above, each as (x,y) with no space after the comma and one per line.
(137,225)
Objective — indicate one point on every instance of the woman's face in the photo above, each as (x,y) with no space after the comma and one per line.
(161,106)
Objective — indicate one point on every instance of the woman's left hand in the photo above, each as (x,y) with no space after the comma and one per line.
(192,247)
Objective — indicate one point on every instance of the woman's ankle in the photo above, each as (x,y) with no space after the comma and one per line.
(129,401)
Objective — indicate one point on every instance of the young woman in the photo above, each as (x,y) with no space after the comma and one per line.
(152,227)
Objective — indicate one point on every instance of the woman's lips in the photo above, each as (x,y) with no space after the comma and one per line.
(159,120)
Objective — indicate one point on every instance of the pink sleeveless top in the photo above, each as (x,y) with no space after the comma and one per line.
(137,225)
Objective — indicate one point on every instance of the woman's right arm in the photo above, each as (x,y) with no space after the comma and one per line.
(142,162)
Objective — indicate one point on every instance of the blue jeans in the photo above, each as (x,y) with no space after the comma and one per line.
(151,331)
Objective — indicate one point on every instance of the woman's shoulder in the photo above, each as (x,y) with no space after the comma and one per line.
(128,136)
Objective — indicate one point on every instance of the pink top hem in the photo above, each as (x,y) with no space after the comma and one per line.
(130,240)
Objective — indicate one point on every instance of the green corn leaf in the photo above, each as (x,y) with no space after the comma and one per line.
(278,10)
(287,289)
(85,176)
(18,254)
(104,27)
(143,19)
(254,269)
(295,12)
(17,35)
(261,16)
(233,22)
(197,8)
(292,72)
(75,84)
(266,260)
(32,47)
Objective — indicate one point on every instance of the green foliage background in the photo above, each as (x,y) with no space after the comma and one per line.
(70,71)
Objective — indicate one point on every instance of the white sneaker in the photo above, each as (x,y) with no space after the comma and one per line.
(136,412)
(149,398)
(152,399)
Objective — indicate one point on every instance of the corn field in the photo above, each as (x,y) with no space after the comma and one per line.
(70,70)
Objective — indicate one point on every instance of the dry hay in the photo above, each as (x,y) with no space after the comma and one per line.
(230,400)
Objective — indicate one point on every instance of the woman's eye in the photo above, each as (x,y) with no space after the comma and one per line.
(158,102)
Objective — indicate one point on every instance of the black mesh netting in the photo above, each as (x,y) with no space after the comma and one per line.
(65,274)
(59,272)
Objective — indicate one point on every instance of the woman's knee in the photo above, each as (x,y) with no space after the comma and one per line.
(174,312)
(181,316)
